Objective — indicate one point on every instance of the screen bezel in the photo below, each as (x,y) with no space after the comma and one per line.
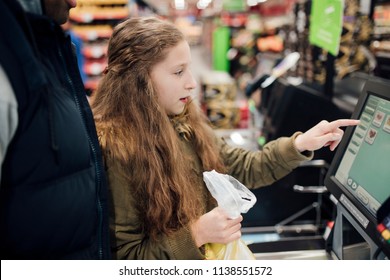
(380,88)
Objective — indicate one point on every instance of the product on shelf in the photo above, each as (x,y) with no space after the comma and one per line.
(93,21)
(95,67)
(88,14)
(223,114)
(219,101)
(95,51)
(92,32)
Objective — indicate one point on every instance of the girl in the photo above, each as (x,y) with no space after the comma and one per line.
(157,143)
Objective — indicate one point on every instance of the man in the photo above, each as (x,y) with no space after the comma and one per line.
(53,188)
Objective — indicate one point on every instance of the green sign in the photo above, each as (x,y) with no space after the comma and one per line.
(221,45)
(326,23)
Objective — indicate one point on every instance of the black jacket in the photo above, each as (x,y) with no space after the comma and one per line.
(53,200)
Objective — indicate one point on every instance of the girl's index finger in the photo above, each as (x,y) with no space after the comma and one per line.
(343,122)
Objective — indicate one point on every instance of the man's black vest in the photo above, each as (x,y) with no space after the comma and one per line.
(53,189)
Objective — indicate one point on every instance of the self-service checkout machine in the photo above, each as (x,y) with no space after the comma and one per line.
(359,180)
(358,183)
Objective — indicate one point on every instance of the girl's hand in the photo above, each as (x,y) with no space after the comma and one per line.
(216,227)
(323,134)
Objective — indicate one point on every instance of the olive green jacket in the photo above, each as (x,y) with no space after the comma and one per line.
(252,168)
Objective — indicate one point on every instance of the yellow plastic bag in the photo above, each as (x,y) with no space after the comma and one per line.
(236,250)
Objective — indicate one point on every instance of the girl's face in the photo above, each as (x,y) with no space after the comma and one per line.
(173,79)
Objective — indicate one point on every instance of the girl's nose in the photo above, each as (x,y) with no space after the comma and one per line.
(192,82)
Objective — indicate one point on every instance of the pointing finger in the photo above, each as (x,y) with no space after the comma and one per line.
(342,122)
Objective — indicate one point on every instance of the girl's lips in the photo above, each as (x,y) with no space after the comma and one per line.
(184,99)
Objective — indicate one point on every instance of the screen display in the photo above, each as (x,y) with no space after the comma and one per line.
(364,169)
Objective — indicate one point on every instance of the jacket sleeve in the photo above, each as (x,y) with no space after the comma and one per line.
(261,168)
(128,240)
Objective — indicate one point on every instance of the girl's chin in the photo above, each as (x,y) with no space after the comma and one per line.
(176,113)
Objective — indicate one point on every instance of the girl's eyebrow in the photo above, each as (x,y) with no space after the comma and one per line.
(179,65)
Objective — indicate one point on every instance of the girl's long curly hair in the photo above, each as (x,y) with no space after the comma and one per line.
(141,137)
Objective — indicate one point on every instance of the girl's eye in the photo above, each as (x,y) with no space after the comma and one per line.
(179,73)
